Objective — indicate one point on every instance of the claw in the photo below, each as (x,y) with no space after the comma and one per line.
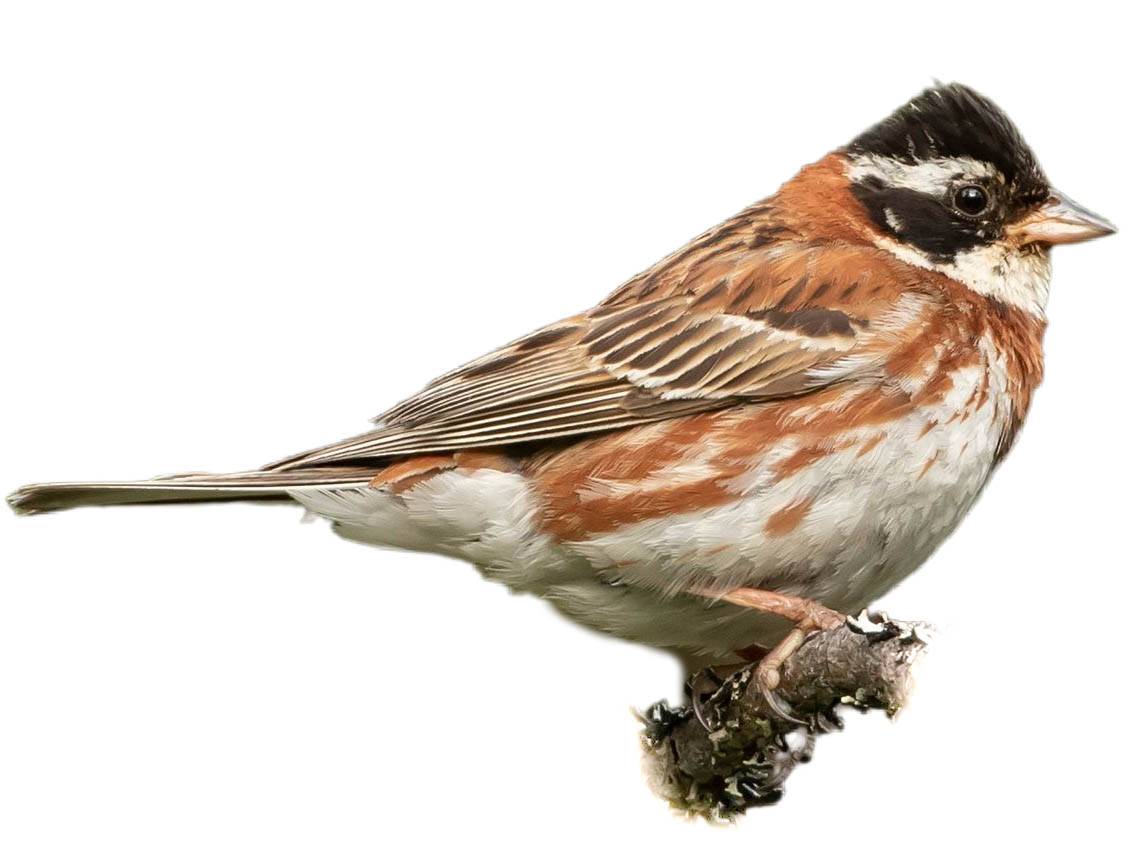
(823,723)
(777,705)
(696,702)
(699,713)
(826,721)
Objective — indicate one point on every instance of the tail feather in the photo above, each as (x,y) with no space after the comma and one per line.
(194,487)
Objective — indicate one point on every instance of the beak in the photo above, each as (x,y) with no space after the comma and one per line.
(1058,220)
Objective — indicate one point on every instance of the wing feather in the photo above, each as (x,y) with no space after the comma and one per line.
(766,326)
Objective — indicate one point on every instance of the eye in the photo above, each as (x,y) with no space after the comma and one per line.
(971,200)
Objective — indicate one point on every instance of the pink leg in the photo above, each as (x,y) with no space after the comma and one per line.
(807,615)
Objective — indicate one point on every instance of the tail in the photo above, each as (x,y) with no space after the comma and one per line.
(193,487)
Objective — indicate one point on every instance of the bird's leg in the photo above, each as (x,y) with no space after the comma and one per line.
(808,616)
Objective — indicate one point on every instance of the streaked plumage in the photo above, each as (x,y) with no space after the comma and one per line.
(805,399)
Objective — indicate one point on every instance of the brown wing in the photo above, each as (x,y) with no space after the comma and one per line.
(716,325)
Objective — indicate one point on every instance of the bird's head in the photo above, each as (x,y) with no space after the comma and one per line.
(948,183)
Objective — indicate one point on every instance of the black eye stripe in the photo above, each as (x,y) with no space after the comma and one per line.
(923,220)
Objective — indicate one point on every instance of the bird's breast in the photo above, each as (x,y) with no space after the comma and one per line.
(837,495)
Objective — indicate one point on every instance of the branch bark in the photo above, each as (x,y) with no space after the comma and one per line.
(739,753)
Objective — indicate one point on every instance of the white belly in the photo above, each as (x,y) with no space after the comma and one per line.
(873,517)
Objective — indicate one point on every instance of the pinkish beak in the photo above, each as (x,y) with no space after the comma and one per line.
(1059,220)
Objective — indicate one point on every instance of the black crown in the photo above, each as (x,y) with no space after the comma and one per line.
(952,120)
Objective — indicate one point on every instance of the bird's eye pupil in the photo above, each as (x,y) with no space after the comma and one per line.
(971,200)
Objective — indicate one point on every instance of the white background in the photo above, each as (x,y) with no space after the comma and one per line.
(233,230)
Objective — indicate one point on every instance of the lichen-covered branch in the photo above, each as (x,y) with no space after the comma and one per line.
(736,750)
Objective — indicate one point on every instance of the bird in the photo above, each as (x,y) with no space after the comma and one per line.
(747,442)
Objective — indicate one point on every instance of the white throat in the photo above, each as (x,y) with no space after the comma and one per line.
(1000,271)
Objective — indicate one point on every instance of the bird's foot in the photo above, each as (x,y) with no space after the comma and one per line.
(808,617)
(813,618)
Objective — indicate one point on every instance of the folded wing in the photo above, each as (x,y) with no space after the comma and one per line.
(736,326)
